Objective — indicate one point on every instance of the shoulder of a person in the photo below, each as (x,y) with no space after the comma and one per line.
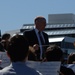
(66,71)
(31,30)
(4,70)
(70,65)
(45,33)
(34,72)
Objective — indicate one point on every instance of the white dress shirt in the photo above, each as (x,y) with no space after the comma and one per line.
(40,45)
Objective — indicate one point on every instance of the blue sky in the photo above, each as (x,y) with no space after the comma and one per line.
(15,13)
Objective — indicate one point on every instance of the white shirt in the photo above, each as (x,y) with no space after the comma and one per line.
(72,66)
(40,45)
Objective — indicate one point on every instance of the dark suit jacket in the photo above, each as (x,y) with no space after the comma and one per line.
(32,38)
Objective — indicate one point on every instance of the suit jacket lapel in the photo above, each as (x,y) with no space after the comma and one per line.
(35,36)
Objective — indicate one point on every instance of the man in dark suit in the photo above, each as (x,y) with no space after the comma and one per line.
(35,40)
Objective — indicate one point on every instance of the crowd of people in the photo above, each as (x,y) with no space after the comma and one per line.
(33,45)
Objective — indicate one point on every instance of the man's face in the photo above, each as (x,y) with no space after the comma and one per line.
(40,24)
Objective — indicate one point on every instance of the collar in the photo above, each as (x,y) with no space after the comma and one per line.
(36,30)
(18,63)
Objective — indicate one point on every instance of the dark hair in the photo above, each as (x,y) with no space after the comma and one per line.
(5,36)
(18,48)
(39,18)
(71,58)
(54,53)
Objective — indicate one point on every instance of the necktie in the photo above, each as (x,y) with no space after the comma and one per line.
(42,43)
(41,39)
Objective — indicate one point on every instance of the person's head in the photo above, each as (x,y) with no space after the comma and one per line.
(6,36)
(40,23)
(18,48)
(54,53)
(5,40)
(71,58)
